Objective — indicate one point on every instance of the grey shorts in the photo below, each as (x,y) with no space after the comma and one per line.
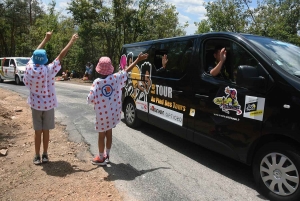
(43,120)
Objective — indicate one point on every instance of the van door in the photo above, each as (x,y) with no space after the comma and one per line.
(6,69)
(169,100)
(227,117)
(12,69)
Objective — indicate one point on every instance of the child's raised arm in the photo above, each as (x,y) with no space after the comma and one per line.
(141,57)
(46,39)
(68,46)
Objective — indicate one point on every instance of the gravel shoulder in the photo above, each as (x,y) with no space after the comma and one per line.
(69,175)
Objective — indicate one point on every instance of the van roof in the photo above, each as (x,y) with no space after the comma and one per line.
(149,42)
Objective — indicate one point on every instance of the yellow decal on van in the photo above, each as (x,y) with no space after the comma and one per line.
(135,76)
(256,113)
(168,103)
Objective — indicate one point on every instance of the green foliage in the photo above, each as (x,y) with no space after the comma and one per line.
(271,18)
(278,19)
(226,15)
(203,27)
(102,28)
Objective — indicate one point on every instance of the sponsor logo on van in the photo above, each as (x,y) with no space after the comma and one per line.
(251,107)
(141,105)
(229,102)
(152,108)
(254,108)
(166,114)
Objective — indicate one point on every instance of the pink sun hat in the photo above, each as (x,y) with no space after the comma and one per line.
(104,66)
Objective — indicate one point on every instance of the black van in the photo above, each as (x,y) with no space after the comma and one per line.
(251,116)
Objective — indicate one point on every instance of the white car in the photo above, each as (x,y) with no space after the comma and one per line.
(13,68)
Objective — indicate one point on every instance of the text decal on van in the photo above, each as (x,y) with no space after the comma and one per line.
(166,114)
(164,91)
(254,108)
(229,102)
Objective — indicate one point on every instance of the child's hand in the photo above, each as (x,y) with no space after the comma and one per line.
(74,37)
(142,56)
(48,35)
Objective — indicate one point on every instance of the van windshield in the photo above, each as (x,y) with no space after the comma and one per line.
(22,61)
(285,55)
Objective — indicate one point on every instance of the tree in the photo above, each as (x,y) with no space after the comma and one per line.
(104,29)
(203,27)
(227,15)
(278,19)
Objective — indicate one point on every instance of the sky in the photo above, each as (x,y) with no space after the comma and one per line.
(189,10)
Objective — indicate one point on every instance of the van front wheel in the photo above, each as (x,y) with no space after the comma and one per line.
(17,80)
(131,118)
(1,80)
(276,169)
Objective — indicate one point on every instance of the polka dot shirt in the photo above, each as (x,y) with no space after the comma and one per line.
(41,82)
(106,96)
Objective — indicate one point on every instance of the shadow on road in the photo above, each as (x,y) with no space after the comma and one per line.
(61,168)
(126,172)
(228,167)
(8,82)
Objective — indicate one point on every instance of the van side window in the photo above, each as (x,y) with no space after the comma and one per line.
(132,52)
(236,55)
(179,54)
(6,62)
(212,47)
(12,62)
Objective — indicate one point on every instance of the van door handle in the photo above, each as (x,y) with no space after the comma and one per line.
(176,92)
(201,96)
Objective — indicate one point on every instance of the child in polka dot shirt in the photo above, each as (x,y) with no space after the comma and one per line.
(105,94)
(39,78)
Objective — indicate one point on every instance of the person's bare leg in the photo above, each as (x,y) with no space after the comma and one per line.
(46,140)
(99,160)
(37,141)
(101,138)
(108,135)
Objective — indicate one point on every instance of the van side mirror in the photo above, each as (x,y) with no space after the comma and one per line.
(248,77)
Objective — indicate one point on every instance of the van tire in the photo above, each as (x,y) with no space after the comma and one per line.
(131,118)
(17,80)
(1,80)
(291,156)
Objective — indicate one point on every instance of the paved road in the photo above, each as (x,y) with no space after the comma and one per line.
(150,164)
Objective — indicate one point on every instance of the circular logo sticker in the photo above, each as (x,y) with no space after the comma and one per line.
(107,90)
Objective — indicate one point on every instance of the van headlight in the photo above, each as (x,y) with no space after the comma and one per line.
(21,71)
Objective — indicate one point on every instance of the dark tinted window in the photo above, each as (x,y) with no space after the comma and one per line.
(133,52)
(6,62)
(209,59)
(179,54)
(236,55)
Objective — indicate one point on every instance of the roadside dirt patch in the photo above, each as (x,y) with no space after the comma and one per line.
(65,177)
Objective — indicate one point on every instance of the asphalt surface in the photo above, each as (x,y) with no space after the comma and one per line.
(150,164)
